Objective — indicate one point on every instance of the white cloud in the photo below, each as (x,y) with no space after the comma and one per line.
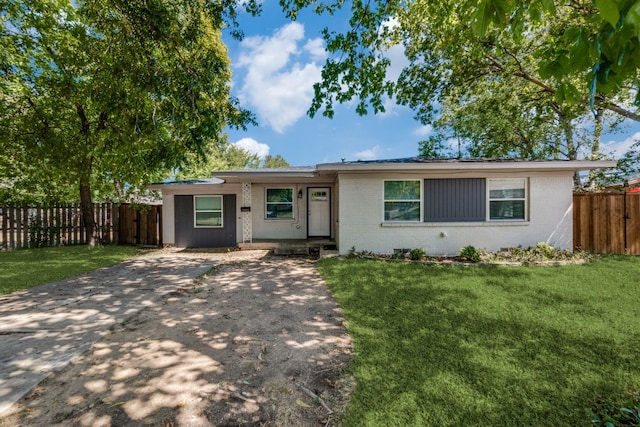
(316,49)
(398,61)
(280,75)
(368,154)
(423,130)
(617,149)
(253,147)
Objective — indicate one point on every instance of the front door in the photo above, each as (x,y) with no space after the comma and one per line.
(319,215)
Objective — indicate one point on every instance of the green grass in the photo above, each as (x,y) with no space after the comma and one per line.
(488,346)
(23,269)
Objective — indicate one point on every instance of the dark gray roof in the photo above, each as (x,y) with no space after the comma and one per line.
(418,159)
(192,181)
(266,170)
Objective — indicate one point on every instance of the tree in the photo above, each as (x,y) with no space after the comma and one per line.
(592,58)
(491,76)
(218,156)
(104,93)
(276,161)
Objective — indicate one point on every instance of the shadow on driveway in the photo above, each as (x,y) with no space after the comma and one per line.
(43,328)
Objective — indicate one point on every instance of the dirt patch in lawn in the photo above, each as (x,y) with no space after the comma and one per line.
(258,342)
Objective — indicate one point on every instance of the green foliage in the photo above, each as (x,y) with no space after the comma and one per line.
(417,254)
(441,345)
(99,96)
(432,148)
(606,412)
(523,79)
(19,269)
(218,156)
(276,161)
(470,253)
(42,235)
(539,253)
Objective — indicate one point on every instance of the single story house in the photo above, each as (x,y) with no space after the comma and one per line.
(440,205)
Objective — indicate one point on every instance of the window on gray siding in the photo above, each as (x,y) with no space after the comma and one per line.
(279,203)
(507,199)
(207,211)
(402,200)
(454,200)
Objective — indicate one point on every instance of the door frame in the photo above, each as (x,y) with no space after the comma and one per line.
(309,209)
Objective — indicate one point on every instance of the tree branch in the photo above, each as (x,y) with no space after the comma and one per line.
(599,101)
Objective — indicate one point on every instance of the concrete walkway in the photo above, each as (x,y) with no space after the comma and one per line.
(44,328)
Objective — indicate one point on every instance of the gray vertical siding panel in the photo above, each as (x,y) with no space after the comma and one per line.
(454,200)
(187,236)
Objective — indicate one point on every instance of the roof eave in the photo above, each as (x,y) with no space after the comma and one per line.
(555,165)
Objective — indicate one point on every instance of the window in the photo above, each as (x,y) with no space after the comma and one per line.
(279,203)
(507,199)
(317,196)
(402,200)
(207,211)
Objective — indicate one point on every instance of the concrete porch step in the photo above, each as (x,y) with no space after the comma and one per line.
(292,247)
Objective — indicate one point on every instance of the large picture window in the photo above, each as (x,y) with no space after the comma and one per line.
(507,199)
(207,211)
(402,200)
(279,203)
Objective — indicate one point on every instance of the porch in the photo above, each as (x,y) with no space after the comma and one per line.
(322,247)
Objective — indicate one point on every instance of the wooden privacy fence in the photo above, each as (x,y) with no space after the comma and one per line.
(607,223)
(28,227)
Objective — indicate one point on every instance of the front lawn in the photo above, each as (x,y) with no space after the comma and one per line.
(488,346)
(22,269)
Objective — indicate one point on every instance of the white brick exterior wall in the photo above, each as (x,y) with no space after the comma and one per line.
(361,214)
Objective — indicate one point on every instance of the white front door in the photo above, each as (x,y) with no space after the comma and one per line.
(319,215)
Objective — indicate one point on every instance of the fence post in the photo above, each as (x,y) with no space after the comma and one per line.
(5,234)
(25,227)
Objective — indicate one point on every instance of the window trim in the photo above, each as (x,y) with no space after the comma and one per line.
(419,200)
(293,201)
(195,211)
(525,199)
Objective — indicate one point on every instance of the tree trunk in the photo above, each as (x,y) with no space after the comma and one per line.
(572,151)
(86,208)
(595,146)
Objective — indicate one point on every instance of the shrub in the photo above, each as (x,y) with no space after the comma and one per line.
(608,413)
(470,253)
(41,235)
(544,250)
(417,254)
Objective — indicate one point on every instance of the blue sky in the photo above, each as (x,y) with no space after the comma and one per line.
(274,68)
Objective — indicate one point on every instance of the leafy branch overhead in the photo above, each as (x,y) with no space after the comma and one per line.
(586,52)
(102,94)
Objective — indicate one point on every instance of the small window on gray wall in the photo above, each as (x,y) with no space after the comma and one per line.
(207,211)
(454,200)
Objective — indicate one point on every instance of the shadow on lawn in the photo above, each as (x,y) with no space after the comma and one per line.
(464,346)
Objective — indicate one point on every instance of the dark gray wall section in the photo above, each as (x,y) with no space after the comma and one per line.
(187,236)
(454,200)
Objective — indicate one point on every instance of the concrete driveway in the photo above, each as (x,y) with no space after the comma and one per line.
(44,328)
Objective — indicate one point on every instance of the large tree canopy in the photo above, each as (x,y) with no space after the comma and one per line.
(589,50)
(506,78)
(98,93)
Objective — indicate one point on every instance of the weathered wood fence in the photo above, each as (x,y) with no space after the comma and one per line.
(28,227)
(607,223)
